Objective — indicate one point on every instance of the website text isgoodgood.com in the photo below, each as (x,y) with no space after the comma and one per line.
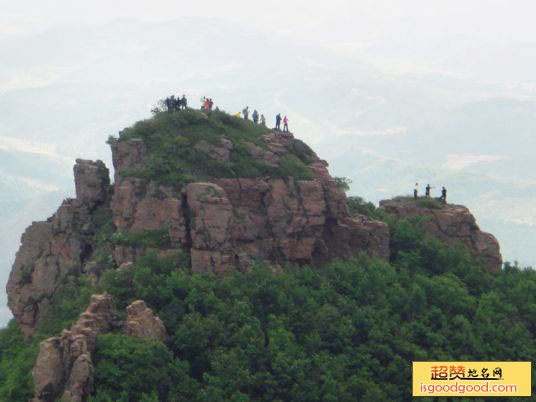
(462,389)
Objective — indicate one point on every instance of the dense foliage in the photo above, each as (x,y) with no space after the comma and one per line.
(175,160)
(357,205)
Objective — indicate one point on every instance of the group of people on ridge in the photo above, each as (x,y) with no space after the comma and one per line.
(443,197)
(262,120)
(278,123)
(207,103)
(254,116)
(173,103)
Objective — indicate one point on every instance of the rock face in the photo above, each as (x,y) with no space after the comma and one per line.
(92,182)
(64,368)
(229,224)
(451,223)
(142,323)
(54,251)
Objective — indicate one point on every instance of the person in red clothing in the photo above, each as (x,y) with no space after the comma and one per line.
(285,124)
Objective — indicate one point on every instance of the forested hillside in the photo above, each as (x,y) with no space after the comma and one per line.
(344,331)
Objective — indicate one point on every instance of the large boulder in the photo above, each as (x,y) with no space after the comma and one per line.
(92,182)
(142,323)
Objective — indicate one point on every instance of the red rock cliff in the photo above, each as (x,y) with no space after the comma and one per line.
(231,223)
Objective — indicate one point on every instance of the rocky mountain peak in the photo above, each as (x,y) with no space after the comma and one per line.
(224,192)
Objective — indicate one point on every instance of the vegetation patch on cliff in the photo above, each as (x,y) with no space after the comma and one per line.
(157,238)
(175,160)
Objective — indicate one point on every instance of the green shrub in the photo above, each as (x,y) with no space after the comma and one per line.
(132,369)
(343,183)
(157,238)
(358,206)
(17,357)
(429,203)
(292,166)
(69,301)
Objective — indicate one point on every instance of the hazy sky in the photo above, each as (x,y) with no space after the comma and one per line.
(492,39)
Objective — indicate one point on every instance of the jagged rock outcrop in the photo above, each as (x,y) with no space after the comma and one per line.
(92,182)
(142,323)
(64,367)
(230,223)
(450,223)
(53,251)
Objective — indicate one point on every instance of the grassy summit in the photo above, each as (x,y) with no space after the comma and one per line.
(171,139)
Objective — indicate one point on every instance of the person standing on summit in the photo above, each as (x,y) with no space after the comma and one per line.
(255,116)
(285,124)
(443,195)
(278,122)
(245,112)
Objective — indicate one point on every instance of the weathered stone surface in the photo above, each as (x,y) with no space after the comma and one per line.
(142,323)
(372,235)
(210,216)
(127,155)
(64,369)
(92,182)
(222,152)
(263,155)
(451,223)
(51,252)
(138,205)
